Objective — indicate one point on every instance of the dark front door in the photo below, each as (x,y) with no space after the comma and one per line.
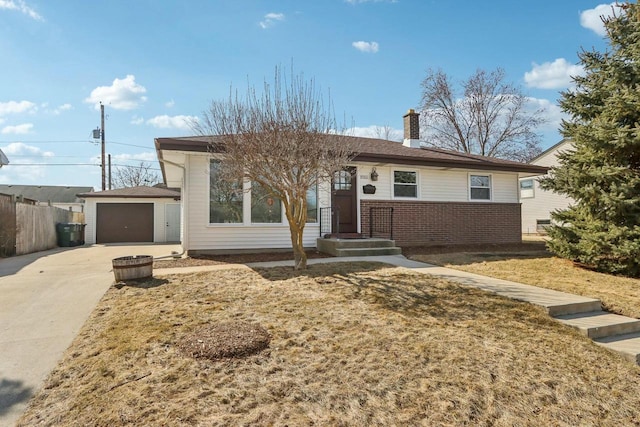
(124,222)
(344,201)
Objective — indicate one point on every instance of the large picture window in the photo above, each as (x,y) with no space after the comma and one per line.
(265,209)
(225,198)
(480,187)
(405,184)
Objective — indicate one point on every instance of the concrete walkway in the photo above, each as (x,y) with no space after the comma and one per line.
(45,298)
(618,333)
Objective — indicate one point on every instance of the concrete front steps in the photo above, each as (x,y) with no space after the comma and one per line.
(618,333)
(357,247)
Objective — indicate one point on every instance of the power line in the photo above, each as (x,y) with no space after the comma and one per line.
(79,164)
(76,141)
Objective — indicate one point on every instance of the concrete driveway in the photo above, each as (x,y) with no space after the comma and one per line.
(45,298)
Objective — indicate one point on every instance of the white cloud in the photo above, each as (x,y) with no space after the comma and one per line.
(169,104)
(552,75)
(148,156)
(375,131)
(369,47)
(591,18)
(20,148)
(30,155)
(17,129)
(58,110)
(172,122)
(20,6)
(552,113)
(13,107)
(123,94)
(270,19)
(135,120)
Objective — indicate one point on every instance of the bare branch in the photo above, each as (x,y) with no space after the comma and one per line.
(489,118)
(134,176)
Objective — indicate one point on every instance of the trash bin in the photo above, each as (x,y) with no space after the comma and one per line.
(64,232)
(70,234)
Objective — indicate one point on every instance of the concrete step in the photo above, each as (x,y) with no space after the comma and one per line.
(600,324)
(627,345)
(367,251)
(360,243)
(577,306)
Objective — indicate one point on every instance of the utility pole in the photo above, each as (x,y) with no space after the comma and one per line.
(104,175)
(109,171)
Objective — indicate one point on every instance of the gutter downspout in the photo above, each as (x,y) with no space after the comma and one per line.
(185,205)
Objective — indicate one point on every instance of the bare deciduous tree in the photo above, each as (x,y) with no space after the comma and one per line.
(490,117)
(134,176)
(387,132)
(284,139)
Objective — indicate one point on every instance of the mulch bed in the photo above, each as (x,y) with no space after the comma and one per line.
(225,340)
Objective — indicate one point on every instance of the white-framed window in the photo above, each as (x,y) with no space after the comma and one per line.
(225,198)
(526,188)
(312,204)
(405,184)
(479,187)
(265,208)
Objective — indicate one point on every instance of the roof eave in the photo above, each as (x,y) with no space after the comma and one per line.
(369,157)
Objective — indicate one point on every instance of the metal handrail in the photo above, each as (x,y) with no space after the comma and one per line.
(333,214)
(372,223)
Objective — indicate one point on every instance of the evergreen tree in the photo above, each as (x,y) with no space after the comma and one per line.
(602,173)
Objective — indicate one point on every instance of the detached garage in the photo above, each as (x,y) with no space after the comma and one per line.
(132,215)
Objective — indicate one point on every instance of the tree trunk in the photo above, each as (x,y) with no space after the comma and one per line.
(299,255)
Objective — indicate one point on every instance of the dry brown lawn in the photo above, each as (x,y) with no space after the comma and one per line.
(358,344)
(618,294)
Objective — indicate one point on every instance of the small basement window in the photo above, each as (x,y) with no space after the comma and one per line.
(405,184)
(480,187)
(526,189)
(542,225)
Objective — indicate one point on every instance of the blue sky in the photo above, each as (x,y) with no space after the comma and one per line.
(156,63)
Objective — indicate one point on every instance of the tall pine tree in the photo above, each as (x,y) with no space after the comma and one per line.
(602,174)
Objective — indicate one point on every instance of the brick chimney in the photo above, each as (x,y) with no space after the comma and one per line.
(411,129)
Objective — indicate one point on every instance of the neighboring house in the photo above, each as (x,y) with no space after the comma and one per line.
(427,196)
(135,214)
(62,197)
(3,159)
(537,204)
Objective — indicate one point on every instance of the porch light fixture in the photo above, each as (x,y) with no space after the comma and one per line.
(374,174)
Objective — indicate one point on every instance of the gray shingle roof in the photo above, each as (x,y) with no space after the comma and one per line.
(46,193)
(141,192)
(376,150)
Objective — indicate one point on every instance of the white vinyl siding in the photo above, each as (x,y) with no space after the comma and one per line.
(438,185)
(539,207)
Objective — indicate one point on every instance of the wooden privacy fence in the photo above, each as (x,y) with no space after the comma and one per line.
(26,228)
(7,225)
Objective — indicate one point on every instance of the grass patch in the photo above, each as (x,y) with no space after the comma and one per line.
(618,294)
(350,345)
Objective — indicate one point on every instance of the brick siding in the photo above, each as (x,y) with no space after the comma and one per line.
(448,223)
